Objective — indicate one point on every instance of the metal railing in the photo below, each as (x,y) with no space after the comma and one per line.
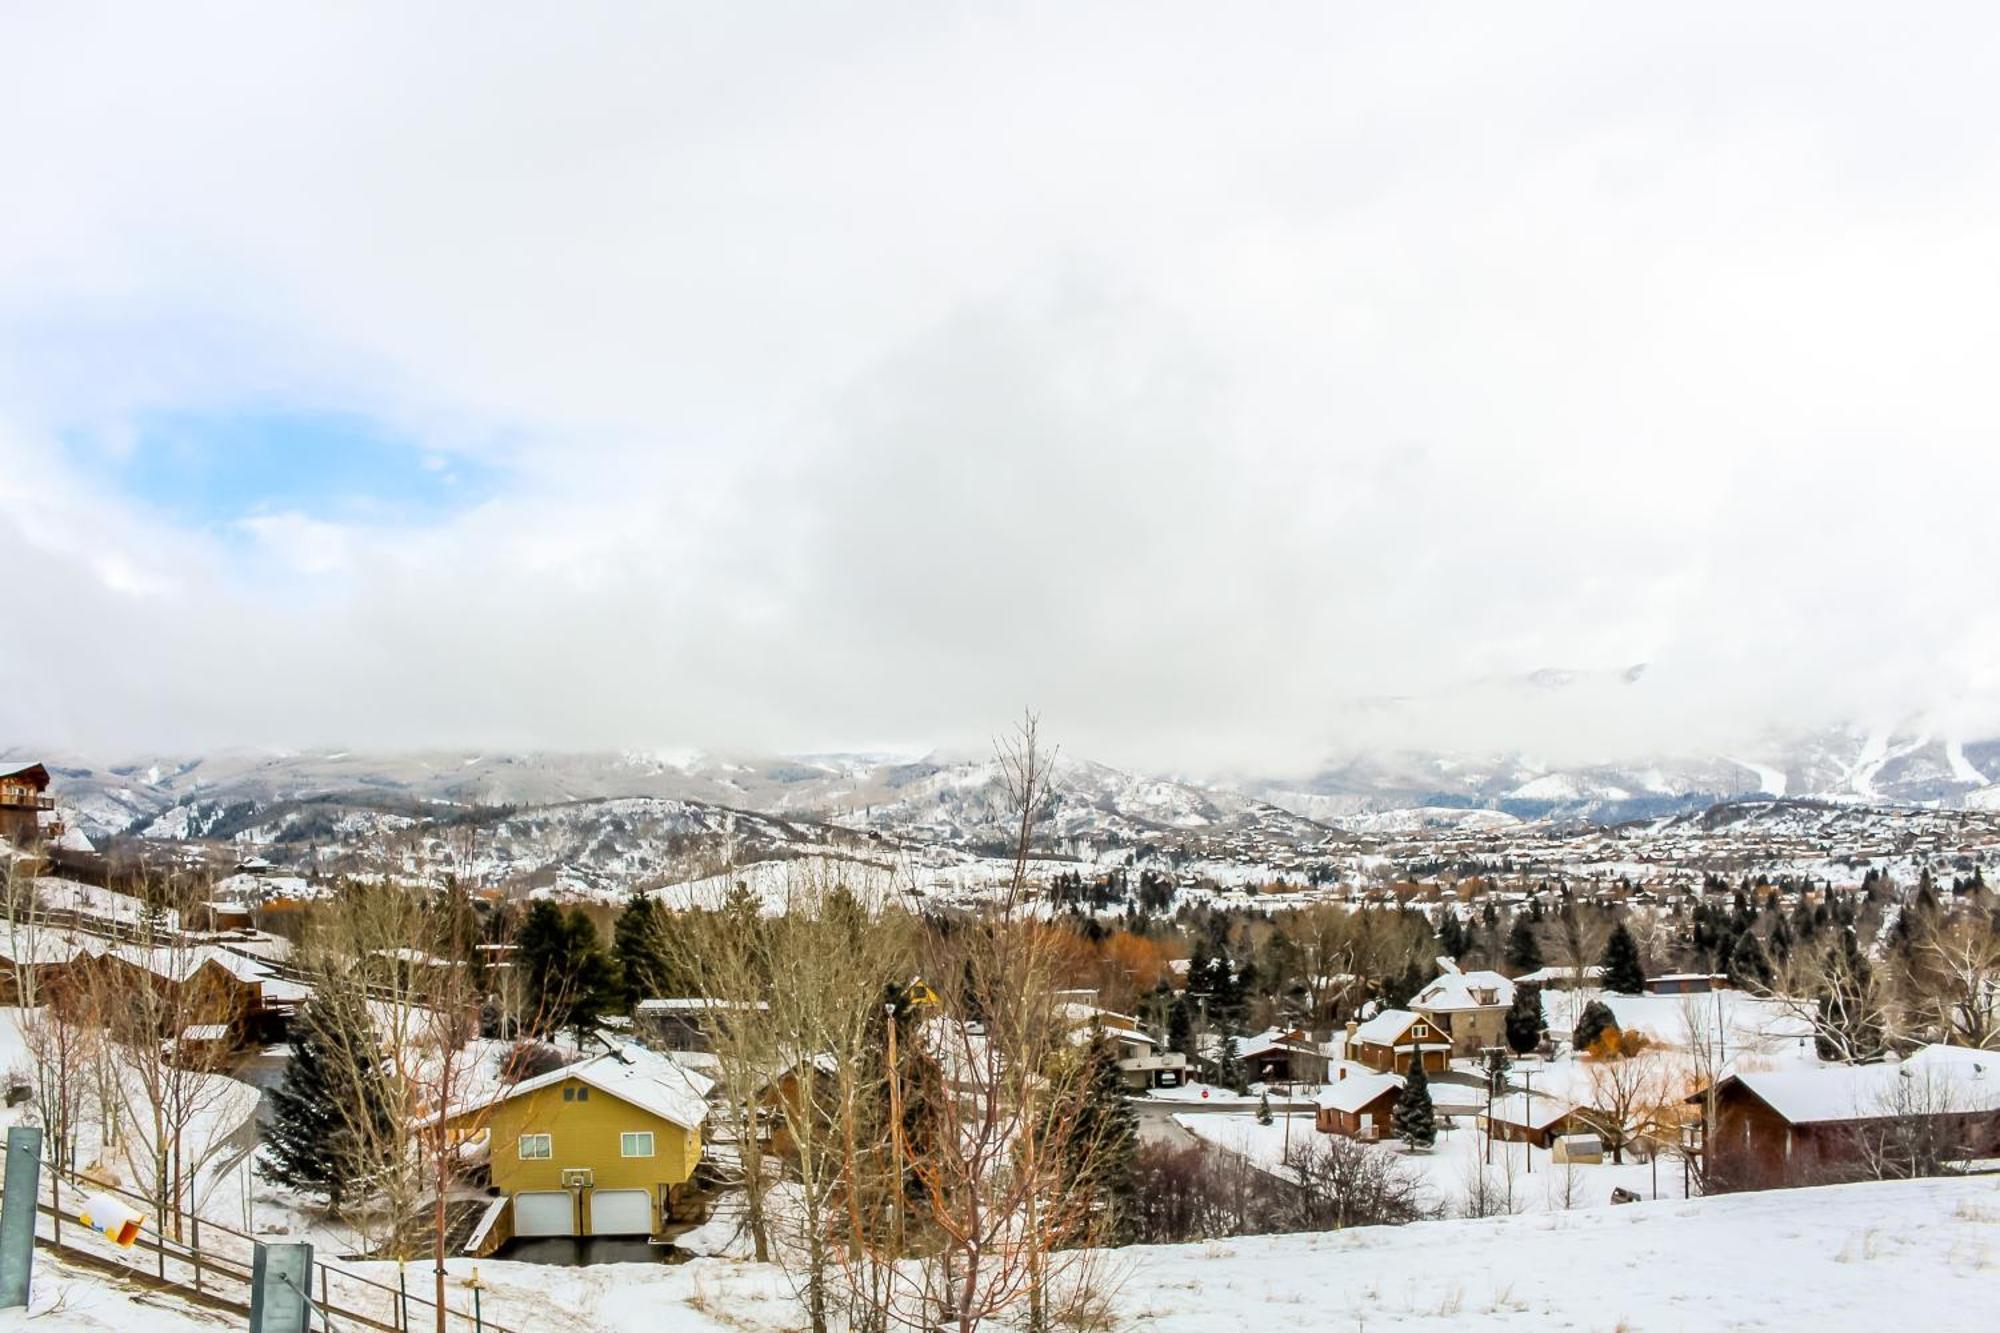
(212,1261)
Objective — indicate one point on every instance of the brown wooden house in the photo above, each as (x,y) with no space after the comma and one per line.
(1358,1105)
(1817,1125)
(201,986)
(33,963)
(1521,1117)
(24,799)
(1388,1042)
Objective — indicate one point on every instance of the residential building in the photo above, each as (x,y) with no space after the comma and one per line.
(1359,1106)
(1686,983)
(1388,1042)
(1470,1008)
(1521,1117)
(1282,1055)
(598,1148)
(26,809)
(1797,1126)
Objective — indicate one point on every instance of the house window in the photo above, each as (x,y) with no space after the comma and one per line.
(636,1145)
(576,1094)
(1420,1032)
(536,1148)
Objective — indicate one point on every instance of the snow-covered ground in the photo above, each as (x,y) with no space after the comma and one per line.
(1911,1254)
(1519,1179)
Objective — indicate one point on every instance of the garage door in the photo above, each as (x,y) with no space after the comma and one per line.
(544,1213)
(621,1213)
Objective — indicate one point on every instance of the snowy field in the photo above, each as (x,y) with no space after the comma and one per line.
(1518,1179)
(1922,1254)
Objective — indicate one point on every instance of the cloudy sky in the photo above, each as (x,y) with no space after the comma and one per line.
(1230,384)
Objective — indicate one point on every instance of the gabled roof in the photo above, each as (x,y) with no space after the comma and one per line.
(177,963)
(635,1076)
(1833,1094)
(1454,990)
(1355,1091)
(1387,1027)
(34,774)
(1533,1111)
(1275,1039)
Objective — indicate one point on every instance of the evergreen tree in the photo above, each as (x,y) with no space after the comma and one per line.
(1524,1019)
(1779,947)
(638,949)
(1398,991)
(1749,966)
(1263,1108)
(1229,1066)
(1105,1140)
(1591,1024)
(1180,1028)
(1524,951)
(1415,1118)
(331,1105)
(567,973)
(1451,936)
(1622,972)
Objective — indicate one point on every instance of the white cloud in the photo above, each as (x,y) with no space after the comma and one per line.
(869,376)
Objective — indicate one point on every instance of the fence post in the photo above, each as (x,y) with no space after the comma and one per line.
(23,1194)
(325,1319)
(195,1249)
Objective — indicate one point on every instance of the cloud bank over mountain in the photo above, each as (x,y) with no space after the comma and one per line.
(838,381)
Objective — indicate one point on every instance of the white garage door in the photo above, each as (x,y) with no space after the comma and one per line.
(544,1213)
(621,1213)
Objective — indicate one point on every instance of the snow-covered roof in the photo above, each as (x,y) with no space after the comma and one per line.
(1275,1039)
(1355,1091)
(1543,976)
(1456,990)
(205,1032)
(634,1075)
(1386,1027)
(1941,1054)
(1835,1093)
(692,1004)
(1534,1112)
(38,946)
(180,963)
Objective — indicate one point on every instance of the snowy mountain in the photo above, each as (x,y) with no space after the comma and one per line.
(603,820)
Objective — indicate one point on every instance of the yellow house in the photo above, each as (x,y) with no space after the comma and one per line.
(595,1148)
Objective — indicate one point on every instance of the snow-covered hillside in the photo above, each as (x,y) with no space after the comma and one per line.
(1906,1254)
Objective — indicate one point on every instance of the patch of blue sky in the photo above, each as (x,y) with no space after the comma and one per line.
(212,468)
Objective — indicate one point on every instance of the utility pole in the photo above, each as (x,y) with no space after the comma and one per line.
(1528,1100)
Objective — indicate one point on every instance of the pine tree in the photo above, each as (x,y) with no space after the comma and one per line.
(639,951)
(1105,1140)
(1180,1028)
(1263,1108)
(1415,1118)
(568,976)
(1622,972)
(1591,1024)
(1524,1018)
(1451,936)
(1229,1066)
(1749,966)
(1524,951)
(331,1104)
(1398,991)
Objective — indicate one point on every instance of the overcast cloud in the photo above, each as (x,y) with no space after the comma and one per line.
(822,377)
